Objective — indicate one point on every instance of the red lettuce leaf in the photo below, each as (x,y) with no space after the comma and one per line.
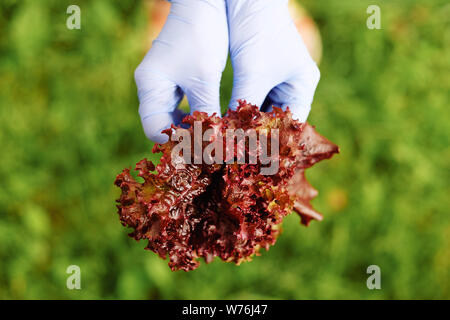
(222,210)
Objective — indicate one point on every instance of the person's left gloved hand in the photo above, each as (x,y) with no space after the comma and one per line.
(271,64)
(188,57)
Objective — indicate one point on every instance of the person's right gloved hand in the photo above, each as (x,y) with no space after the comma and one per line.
(271,64)
(188,57)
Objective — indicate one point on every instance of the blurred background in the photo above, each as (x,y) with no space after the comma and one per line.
(69,125)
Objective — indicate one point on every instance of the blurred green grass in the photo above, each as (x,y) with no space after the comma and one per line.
(69,124)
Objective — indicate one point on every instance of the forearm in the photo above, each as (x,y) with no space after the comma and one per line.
(191,11)
(255,22)
(249,7)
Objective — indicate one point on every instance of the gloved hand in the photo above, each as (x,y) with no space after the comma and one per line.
(270,61)
(188,57)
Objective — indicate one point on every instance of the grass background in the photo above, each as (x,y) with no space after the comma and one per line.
(69,124)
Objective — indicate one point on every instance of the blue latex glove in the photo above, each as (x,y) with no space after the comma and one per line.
(270,61)
(188,57)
